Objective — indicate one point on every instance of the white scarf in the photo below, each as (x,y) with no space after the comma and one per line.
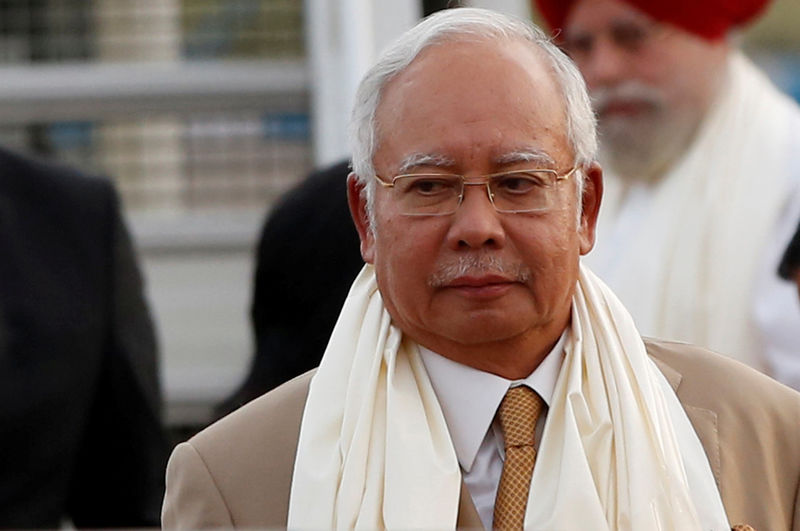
(683,254)
(618,451)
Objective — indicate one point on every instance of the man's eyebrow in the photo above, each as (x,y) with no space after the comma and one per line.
(416,160)
(541,158)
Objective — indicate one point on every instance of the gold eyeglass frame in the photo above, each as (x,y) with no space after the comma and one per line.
(483,180)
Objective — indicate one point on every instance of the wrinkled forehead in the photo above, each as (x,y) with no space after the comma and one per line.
(454,59)
(479,91)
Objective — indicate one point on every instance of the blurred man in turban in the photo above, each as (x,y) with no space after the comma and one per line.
(698,149)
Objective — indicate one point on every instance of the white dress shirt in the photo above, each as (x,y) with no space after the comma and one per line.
(469,399)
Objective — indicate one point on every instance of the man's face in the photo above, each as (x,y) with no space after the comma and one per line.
(650,83)
(477,281)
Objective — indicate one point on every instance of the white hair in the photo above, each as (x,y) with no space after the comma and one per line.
(459,24)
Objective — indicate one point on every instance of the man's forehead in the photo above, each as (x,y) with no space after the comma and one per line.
(456,54)
(461,82)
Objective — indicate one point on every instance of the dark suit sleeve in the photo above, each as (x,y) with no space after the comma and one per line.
(791,257)
(118,480)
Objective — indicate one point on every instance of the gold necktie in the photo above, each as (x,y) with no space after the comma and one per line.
(518,413)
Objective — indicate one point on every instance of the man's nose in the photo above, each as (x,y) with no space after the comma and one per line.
(476,223)
(605,65)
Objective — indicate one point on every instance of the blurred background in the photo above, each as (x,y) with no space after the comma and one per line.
(204,112)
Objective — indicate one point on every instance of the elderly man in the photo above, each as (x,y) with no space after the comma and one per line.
(473,342)
(700,152)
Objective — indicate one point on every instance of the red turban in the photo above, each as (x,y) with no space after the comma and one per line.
(710,19)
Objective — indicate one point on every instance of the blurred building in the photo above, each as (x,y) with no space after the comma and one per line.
(199,110)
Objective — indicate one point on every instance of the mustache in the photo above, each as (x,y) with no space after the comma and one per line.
(629,91)
(479,265)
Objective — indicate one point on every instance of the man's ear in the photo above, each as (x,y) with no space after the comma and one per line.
(357,199)
(592,196)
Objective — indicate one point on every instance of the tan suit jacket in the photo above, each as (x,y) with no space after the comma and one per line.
(237,472)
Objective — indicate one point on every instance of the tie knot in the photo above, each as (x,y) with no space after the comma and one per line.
(518,414)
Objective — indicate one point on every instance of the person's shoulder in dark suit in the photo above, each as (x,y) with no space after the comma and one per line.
(789,268)
(307,257)
(79,393)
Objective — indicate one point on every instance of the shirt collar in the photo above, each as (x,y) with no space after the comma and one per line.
(469,398)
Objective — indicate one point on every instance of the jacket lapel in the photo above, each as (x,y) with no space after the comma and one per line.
(703,420)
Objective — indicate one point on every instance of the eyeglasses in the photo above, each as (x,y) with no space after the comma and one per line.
(513,192)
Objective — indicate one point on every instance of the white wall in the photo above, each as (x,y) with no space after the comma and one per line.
(343,37)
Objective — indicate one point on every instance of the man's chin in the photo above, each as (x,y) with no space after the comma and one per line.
(486,329)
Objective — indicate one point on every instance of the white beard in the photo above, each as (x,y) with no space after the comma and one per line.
(644,145)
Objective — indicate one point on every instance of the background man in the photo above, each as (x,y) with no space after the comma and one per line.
(306,260)
(700,156)
(472,219)
(79,394)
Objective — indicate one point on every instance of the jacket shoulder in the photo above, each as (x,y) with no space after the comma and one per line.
(747,423)
(707,379)
(249,456)
(27,176)
(41,197)
(281,407)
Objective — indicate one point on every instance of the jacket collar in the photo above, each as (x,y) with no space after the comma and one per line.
(703,420)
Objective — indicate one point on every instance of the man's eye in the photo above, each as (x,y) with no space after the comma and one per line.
(430,186)
(580,45)
(519,184)
(629,37)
